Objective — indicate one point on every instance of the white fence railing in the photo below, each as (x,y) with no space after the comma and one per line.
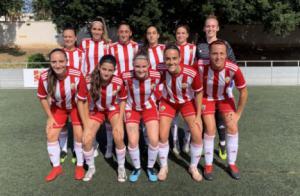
(271,72)
(19,65)
(256,72)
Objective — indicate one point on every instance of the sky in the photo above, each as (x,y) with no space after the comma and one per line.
(27,6)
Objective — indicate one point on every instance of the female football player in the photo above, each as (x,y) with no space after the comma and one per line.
(63,85)
(109,97)
(187,57)
(211,28)
(141,84)
(182,93)
(95,48)
(75,60)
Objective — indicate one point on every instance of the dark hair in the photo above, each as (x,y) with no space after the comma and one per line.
(95,76)
(142,54)
(218,42)
(183,26)
(172,47)
(123,22)
(52,78)
(146,42)
(70,27)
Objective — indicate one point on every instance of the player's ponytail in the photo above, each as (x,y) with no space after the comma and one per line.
(52,78)
(96,78)
(101,20)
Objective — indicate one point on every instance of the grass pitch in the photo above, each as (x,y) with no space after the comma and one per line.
(269,153)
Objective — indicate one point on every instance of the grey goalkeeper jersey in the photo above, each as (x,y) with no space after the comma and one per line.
(203,51)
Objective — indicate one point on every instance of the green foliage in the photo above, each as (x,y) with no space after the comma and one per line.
(41,9)
(11,8)
(279,17)
(37,60)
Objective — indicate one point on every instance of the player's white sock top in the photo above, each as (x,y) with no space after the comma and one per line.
(121,153)
(208,142)
(196,150)
(135,156)
(232,147)
(152,155)
(187,133)
(79,153)
(109,137)
(174,131)
(89,158)
(54,153)
(163,153)
(63,139)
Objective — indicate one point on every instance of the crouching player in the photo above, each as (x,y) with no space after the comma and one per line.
(109,96)
(141,83)
(182,92)
(217,75)
(63,85)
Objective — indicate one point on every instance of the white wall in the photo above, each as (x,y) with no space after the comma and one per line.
(28,34)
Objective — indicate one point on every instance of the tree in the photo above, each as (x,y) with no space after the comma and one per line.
(11,9)
(42,9)
(279,17)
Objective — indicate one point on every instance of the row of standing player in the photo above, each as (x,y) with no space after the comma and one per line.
(91,50)
(125,46)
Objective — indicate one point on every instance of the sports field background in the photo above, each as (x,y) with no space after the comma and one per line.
(269,153)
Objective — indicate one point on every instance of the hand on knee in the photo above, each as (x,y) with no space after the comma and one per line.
(87,141)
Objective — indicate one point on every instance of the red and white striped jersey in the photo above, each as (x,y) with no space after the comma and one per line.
(124,54)
(156,55)
(181,88)
(111,94)
(187,53)
(67,91)
(76,59)
(141,92)
(94,51)
(216,83)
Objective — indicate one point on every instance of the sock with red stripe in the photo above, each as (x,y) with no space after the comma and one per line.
(152,155)
(208,142)
(163,153)
(232,147)
(121,153)
(135,156)
(54,153)
(89,158)
(196,150)
(79,153)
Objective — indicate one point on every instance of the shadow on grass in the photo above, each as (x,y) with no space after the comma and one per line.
(14,51)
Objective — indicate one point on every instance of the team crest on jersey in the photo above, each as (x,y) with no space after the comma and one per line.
(184,85)
(227,79)
(73,86)
(162,108)
(128,115)
(114,92)
(153,86)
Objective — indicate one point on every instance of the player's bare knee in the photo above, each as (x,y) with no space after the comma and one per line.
(87,140)
(232,130)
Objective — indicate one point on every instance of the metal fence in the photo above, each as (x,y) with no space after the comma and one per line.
(20,65)
(271,72)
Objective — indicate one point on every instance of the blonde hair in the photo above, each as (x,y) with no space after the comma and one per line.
(101,20)
(212,16)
